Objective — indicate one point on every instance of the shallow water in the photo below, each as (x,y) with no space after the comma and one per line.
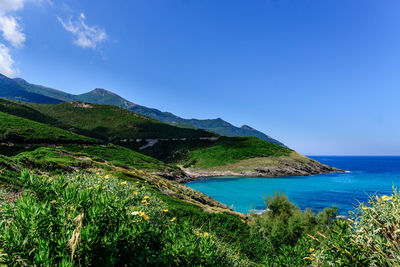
(368,176)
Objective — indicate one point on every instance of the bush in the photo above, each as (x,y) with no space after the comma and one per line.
(280,234)
(97,220)
(370,238)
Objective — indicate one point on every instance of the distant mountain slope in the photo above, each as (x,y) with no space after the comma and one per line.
(102,96)
(105,122)
(46,91)
(199,152)
(10,89)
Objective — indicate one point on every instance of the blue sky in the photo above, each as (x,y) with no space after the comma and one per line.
(320,76)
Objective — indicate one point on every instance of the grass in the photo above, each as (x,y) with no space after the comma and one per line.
(19,130)
(208,154)
(98,220)
(112,123)
(119,126)
(118,156)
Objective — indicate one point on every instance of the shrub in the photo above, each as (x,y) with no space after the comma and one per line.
(280,233)
(371,237)
(97,220)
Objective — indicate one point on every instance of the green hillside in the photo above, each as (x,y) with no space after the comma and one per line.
(199,152)
(19,130)
(102,96)
(211,153)
(111,123)
(82,201)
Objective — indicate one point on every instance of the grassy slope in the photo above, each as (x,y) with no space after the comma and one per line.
(102,96)
(17,129)
(112,122)
(70,155)
(207,154)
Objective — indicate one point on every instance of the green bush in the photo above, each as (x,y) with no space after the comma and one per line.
(96,220)
(280,234)
(370,238)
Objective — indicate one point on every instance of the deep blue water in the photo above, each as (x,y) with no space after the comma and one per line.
(368,175)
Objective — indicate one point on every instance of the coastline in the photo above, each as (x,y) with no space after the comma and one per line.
(261,167)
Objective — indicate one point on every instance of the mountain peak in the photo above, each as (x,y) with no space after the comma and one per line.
(247,127)
(101,91)
(20,80)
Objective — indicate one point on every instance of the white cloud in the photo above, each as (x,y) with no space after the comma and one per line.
(12,31)
(11,5)
(6,62)
(85,36)
(9,24)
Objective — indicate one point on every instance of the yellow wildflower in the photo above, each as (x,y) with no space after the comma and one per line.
(199,234)
(144,201)
(123,183)
(161,201)
(103,187)
(146,197)
(107,176)
(137,182)
(142,187)
(365,208)
(386,198)
(173,219)
(311,250)
(165,210)
(141,213)
(145,217)
(135,193)
(206,234)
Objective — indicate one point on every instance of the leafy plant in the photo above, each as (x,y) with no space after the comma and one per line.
(97,220)
(371,237)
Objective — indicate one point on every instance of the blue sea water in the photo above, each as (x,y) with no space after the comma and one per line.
(368,175)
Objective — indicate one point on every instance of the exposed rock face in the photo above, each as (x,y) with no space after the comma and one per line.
(294,165)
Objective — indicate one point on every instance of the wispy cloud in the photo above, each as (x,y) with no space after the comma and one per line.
(85,36)
(11,5)
(7,66)
(12,31)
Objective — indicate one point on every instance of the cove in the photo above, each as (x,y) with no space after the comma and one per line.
(368,175)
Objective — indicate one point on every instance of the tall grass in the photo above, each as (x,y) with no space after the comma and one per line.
(83,219)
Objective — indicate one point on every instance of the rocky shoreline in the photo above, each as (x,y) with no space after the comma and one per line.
(286,168)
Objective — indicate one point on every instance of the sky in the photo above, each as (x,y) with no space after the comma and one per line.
(320,76)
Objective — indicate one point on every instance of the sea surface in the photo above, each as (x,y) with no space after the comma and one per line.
(367,176)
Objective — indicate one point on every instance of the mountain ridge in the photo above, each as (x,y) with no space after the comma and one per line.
(103,96)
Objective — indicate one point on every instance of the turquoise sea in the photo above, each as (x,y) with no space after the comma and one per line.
(368,175)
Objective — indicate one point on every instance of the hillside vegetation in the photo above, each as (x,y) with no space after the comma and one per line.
(71,200)
(207,154)
(200,153)
(20,130)
(107,122)
(102,96)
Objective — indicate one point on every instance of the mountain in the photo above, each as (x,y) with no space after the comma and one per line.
(102,96)
(11,89)
(108,122)
(198,152)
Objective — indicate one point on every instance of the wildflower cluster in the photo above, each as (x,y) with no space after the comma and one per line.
(95,219)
